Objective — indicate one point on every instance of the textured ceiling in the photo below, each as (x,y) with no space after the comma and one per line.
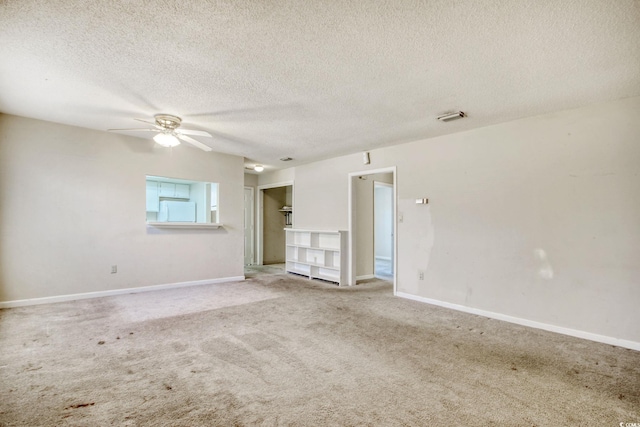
(313,79)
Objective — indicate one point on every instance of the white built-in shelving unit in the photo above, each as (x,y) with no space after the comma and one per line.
(317,254)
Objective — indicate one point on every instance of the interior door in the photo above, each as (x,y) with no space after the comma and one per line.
(248,226)
(383,229)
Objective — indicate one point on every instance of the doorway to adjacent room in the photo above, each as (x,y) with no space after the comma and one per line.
(372,236)
(274,214)
(383,229)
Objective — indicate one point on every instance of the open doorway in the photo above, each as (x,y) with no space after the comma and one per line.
(383,229)
(275,213)
(372,236)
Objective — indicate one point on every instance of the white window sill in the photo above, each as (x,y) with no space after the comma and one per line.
(201,225)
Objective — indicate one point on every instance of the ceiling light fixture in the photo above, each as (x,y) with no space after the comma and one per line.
(452,116)
(166,139)
(258,168)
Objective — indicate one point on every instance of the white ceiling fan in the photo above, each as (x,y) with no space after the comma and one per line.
(168,133)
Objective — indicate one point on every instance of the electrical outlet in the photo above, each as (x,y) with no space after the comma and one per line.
(114,269)
(420,274)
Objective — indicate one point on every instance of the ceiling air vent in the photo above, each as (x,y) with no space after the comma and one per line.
(452,116)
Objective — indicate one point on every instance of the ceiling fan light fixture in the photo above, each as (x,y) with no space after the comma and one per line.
(168,121)
(166,139)
(258,168)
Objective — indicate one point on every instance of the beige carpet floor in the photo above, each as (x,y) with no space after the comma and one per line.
(278,350)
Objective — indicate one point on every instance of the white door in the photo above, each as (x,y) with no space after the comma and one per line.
(248,226)
(383,229)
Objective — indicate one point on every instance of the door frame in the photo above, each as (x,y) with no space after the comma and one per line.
(253,223)
(351,279)
(259,214)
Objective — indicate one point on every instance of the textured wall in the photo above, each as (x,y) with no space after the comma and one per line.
(72,205)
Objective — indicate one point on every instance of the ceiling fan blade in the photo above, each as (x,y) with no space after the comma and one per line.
(136,130)
(148,122)
(192,141)
(193,132)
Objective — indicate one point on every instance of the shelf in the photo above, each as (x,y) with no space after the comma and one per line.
(208,226)
(317,254)
(293,245)
(314,264)
(287,216)
(300,230)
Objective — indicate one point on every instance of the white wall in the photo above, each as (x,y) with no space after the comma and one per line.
(537,218)
(250,180)
(289,195)
(72,204)
(276,177)
(363,194)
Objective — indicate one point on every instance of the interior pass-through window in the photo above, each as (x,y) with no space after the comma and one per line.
(181,200)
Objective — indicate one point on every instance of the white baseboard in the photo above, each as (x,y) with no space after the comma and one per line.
(111,292)
(525,322)
(365,277)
